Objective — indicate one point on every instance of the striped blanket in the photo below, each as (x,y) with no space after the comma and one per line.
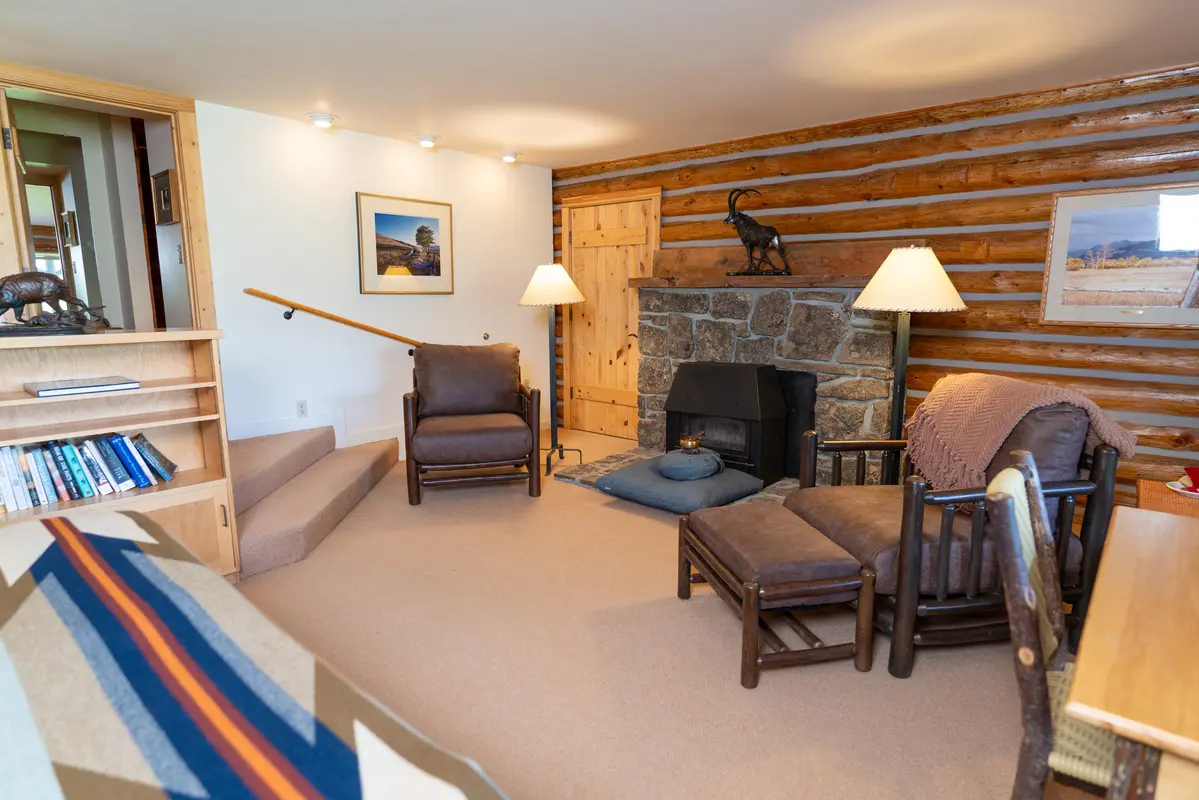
(130,670)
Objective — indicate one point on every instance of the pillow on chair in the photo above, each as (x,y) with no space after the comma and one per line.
(1055,435)
(471,379)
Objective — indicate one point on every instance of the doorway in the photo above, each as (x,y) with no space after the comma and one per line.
(607,239)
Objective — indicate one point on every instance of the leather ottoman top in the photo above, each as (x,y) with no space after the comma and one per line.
(764,542)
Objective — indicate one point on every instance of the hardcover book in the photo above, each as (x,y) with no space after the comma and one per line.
(43,473)
(89,449)
(16,479)
(60,486)
(92,469)
(111,383)
(64,469)
(124,481)
(141,462)
(30,483)
(10,499)
(131,465)
(85,486)
(154,457)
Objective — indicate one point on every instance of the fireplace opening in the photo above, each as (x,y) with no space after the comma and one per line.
(752,415)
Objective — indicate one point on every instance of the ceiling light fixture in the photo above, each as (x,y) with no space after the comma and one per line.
(510,158)
(321,120)
(427,140)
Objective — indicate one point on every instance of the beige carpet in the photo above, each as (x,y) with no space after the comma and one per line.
(543,639)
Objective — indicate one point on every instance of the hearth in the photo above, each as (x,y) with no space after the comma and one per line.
(751,414)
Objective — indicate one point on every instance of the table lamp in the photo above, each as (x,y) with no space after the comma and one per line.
(910,279)
(551,286)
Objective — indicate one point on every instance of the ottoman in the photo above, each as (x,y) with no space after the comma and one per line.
(760,557)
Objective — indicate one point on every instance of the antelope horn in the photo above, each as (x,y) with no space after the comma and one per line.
(733,195)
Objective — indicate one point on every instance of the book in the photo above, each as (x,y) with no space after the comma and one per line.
(60,486)
(16,479)
(30,483)
(111,383)
(141,462)
(89,448)
(38,492)
(10,499)
(64,469)
(43,472)
(85,488)
(122,451)
(154,457)
(94,473)
(124,481)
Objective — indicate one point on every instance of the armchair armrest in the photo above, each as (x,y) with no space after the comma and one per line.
(531,402)
(811,446)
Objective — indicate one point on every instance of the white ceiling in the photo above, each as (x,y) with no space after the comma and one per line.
(570,82)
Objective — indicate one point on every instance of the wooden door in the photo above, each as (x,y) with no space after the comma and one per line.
(607,239)
(16,234)
(200,520)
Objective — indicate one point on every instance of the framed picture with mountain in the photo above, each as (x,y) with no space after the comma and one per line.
(405,246)
(1124,257)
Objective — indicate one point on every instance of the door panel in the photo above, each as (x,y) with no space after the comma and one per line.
(607,244)
(16,234)
(200,521)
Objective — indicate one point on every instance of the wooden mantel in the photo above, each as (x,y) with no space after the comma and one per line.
(848,263)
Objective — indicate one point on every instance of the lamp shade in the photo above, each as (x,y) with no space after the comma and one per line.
(551,286)
(910,279)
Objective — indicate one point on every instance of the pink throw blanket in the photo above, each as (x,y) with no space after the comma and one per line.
(956,432)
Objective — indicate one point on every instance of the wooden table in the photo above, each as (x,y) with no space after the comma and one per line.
(1156,496)
(1137,671)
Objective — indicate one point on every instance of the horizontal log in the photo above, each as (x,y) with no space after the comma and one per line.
(945,214)
(907,120)
(1025,317)
(997,281)
(1124,158)
(1152,468)
(1174,111)
(721,281)
(1148,397)
(1122,358)
(846,257)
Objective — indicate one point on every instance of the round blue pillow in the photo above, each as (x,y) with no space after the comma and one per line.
(679,465)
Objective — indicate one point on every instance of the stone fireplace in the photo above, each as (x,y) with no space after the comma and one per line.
(794,329)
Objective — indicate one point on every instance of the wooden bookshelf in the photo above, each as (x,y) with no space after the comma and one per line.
(179,408)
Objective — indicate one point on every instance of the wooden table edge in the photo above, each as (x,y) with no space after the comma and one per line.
(1131,729)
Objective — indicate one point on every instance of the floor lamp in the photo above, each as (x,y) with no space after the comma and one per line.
(911,279)
(551,286)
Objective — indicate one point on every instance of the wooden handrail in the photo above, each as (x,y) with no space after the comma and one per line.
(316,312)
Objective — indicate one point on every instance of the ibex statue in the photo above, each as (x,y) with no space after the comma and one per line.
(755,236)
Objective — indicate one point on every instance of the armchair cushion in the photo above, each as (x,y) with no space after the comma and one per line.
(865,521)
(1055,435)
(453,379)
(471,439)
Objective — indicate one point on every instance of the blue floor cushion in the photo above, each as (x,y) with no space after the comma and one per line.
(679,465)
(643,483)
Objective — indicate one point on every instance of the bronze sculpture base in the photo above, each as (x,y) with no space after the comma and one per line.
(739,273)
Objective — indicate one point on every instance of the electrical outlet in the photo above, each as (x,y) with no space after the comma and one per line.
(302,408)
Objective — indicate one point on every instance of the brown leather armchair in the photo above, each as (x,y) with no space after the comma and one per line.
(468,411)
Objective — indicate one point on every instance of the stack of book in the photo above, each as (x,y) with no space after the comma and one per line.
(41,475)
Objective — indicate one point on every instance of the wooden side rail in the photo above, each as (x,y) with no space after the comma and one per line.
(293,307)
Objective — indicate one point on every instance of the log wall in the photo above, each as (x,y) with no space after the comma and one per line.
(974,181)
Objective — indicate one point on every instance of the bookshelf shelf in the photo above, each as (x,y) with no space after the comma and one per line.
(37,434)
(23,398)
(179,408)
(185,481)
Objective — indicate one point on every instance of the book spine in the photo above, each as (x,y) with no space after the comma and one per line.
(124,482)
(64,469)
(30,465)
(141,462)
(10,499)
(76,468)
(93,469)
(60,486)
(16,479)
(147,452)
(30,483)
(44,486)
(43,472)
(135,472)
(89,449)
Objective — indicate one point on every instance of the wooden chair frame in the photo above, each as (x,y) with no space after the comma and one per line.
(943,617)
(530,413)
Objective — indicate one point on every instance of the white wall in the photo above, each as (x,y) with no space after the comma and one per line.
(282,218)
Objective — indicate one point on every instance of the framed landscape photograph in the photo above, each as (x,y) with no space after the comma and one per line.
(405,246)
(1124,257)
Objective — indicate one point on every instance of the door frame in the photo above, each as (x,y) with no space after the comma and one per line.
(182,113)
(653,194)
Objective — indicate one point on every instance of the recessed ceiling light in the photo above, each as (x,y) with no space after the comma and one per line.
(321,120)
(427,140)
(510,158)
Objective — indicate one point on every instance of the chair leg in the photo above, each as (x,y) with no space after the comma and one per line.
(684,562)
(863,658)
(413,469)
(534,468)
(907,589)
(750,644)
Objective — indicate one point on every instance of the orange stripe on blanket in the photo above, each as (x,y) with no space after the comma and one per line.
(270,770)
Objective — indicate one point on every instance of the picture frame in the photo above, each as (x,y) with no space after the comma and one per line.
(164,187)
(70,228)
(405,246)
(1124,257)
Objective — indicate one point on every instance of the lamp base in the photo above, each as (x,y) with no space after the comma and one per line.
(561,451)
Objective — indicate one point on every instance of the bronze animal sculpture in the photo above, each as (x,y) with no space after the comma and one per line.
(34,288)
(755,236)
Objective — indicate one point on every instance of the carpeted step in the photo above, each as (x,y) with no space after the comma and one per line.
(263,464)
(286,526)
